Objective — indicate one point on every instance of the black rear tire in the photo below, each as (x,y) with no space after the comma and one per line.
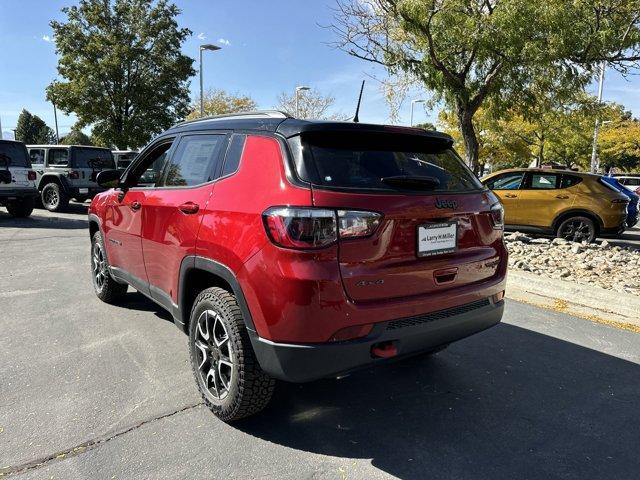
(54,198)
(227,373)
(21,208)
(106,288)
(577,229)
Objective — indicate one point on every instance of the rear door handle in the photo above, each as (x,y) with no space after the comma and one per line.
(189,208)
(562,196)
(511,195)
(135,205)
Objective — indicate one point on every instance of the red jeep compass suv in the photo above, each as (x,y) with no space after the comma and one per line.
(297,250)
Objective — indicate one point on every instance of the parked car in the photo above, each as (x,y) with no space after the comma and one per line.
(632,208)
(17,179)
(123,158)
(630,182)
(571,205)
(298,250)
(68,171)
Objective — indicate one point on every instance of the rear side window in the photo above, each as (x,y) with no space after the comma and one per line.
(13,155)
(92,158)
(570,181)
(234,152)
(59,157)
(543,181)
(382,161)
(194,161)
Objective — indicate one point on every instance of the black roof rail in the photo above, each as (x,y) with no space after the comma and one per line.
(228,116)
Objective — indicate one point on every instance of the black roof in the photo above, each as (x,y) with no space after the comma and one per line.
(279,122)
(10,141)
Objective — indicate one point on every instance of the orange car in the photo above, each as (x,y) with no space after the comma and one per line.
(571,205)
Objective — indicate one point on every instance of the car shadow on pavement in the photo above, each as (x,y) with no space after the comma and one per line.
(134,300)
(45,222)
(509,403)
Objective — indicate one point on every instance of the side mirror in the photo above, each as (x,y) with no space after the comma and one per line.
(109,178)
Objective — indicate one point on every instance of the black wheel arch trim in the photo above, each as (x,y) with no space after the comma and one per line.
(55,177)
(194,262)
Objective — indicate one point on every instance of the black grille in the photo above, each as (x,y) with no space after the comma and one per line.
(439,315)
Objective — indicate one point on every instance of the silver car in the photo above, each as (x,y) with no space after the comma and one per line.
(68,171)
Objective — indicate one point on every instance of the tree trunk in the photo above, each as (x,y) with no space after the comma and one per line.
(468,132)
(540,156)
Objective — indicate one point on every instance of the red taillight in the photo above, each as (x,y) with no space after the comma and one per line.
(300,227)
(303,228)
(497,215)
(74,174)
(31,175)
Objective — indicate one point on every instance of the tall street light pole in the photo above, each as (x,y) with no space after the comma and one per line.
(55,117)
(594,150)
(213,48)
(413,102)
(298,90)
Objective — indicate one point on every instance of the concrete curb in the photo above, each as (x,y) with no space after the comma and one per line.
(585,301)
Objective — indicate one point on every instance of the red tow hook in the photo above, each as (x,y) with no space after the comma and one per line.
(384,350)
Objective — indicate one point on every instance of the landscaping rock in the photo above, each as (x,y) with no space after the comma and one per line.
(612,268)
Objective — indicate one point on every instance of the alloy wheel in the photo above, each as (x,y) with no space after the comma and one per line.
(98,267)
(576,230)
(51,197)
(214,354)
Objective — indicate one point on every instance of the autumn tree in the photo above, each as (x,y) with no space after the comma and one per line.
(31,129)
(122,69)
(312,104)
(220,102)
(619,145)
(471,53)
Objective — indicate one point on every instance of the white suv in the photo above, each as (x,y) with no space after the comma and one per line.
(17,181)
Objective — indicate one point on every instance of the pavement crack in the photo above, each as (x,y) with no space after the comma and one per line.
(86,446)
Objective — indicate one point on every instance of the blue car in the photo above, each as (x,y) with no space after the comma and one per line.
(632,209)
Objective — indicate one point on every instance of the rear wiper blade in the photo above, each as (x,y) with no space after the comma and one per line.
(412,182)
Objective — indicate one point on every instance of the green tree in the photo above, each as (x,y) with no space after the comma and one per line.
(312,104)
(123,71)
(479,52)
(619,145)
(219,102)
(31,129)
(76,137)
(425,126)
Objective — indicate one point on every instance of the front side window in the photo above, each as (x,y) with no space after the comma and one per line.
(507,181)
(59,157)
(194,161)
(543,181)
(147,172)
(37,156)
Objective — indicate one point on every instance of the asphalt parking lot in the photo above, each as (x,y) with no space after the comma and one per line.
(89,390)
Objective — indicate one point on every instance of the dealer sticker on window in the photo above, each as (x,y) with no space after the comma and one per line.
(437,238)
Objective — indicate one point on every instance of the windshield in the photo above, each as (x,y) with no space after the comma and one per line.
(388,162)
(13,155)
(92,158)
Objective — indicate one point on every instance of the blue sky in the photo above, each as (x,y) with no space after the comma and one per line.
(268,47)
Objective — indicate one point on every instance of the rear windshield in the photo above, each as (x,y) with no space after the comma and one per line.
(92,158)
(385,162)
(14,155)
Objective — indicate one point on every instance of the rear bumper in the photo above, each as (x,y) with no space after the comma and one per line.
(91,191)
(303,363)
(16,193)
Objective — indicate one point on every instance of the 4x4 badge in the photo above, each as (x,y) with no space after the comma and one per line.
(452,204)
